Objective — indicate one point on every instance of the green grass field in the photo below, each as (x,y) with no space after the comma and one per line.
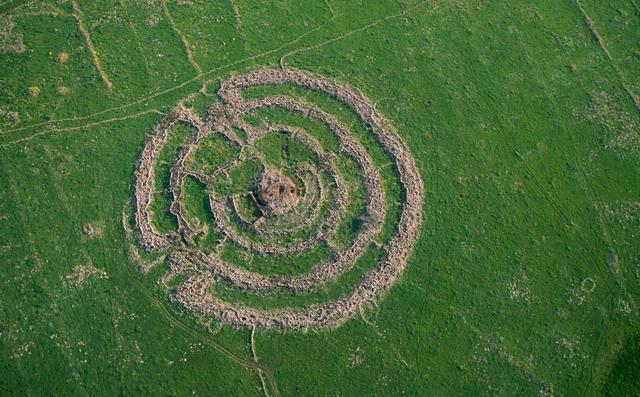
(523,120)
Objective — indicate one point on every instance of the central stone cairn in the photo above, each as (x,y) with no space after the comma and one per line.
(295,217)
(275,192)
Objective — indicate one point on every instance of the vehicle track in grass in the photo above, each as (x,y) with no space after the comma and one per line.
(201,77)
(162,307)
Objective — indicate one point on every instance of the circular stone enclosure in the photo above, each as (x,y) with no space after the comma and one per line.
(286,209)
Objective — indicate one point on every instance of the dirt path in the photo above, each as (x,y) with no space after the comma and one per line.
(201,76)
(266,372)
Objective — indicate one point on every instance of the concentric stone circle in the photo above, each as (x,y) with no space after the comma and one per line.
(287,203)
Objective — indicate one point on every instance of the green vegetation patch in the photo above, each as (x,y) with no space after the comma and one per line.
(522,122)
(212,152)
(238,179)
(624,379)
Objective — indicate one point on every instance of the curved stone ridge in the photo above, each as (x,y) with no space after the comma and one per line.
(280,200)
